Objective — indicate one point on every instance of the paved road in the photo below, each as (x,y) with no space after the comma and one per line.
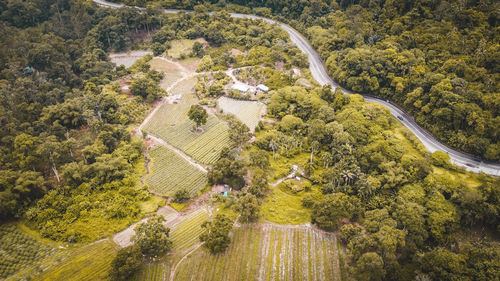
(320,74)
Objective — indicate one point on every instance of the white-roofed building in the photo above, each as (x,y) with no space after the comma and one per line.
(263,87)
(241,87)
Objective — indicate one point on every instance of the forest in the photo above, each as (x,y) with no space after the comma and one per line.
(71,167)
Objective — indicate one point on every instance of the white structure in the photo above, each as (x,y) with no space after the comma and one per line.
(263,87)
(241,87)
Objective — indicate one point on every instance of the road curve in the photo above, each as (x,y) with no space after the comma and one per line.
(320,74)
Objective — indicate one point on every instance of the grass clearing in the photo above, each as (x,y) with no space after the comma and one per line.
(283,208)
(182,46)
(170,172)
(249,112)
(267,252)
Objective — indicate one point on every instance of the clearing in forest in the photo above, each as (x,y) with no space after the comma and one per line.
(127,59)
(172,73)
(170,172)
(267,252)
(182,47)
(249,112)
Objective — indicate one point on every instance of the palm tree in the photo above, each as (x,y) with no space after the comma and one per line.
(273,145)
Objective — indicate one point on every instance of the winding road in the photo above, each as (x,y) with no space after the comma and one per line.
(319,73)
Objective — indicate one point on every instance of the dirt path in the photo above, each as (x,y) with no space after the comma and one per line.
(174,269)
(123,238)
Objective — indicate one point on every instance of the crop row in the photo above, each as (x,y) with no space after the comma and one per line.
(91,262)
(267,253)
(170,173)
(18,250)
(154,272)
(247,111)
(186,233)
(203,146)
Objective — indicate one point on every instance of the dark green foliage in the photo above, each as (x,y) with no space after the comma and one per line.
(216,234)
(146,88)
(152,237)
(227,171)
(127,262)
(328,212)
(198,115)
(248,206)
(181,195)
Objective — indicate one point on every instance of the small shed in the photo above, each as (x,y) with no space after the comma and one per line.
(263,87)
(241,87)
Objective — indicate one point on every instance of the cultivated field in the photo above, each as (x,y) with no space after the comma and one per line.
(18,250)
(267,252)
(182,46)
(170,172)
(204,146)
(185,233)
(91,262)
(127,59)
(248,112)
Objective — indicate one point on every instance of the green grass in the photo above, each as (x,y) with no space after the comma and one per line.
(248,112)
(91,262)
(170,172)
(267,249)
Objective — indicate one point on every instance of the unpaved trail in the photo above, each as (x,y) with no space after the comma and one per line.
(174,269)
(178,152)
(123,238)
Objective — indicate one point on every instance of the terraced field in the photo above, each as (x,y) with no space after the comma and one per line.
(248,112)
(170,172)
(267,252)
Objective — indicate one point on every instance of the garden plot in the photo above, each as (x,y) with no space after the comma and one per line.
(249,112)
(170,172)
(267,252)
(127,59)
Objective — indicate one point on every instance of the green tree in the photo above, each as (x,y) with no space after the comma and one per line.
(181,195)
(127,262)
(146,88)
(369,266)
(216,234)
(328,211)
(152,236)
(198,115)
(248,206)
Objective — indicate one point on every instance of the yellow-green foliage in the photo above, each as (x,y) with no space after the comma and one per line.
(185,233)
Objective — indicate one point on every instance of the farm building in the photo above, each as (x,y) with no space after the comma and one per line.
(241,87)
(263,87)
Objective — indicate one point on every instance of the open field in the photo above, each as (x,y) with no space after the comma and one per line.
(170,172)
(19,250)
(248,112)
(127,59)
(267,252)
(182,46)
(171,72)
